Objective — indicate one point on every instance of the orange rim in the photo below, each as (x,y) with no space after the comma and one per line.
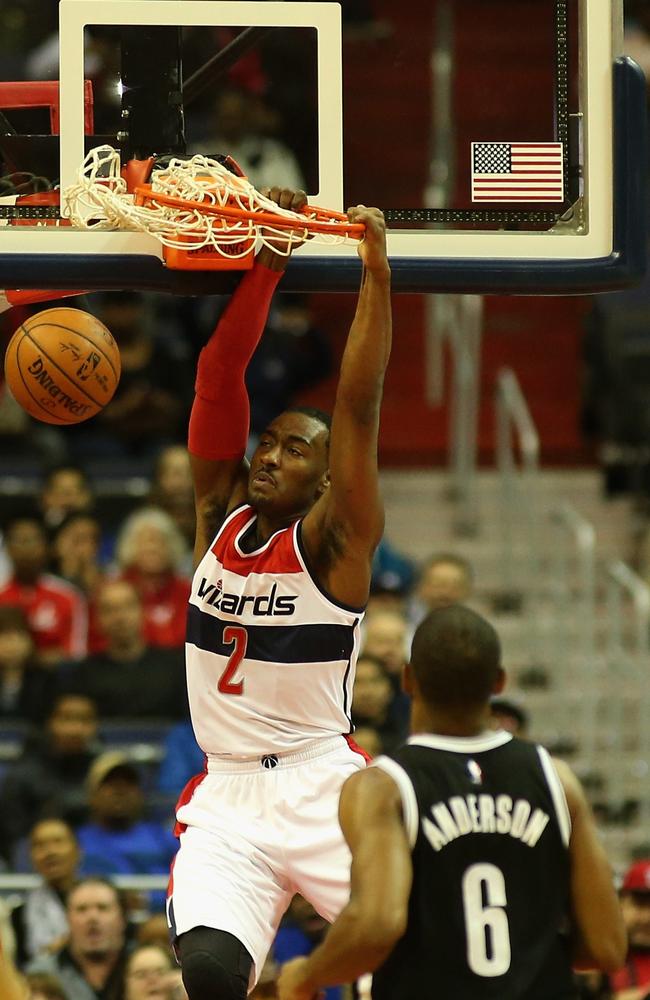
(327,220)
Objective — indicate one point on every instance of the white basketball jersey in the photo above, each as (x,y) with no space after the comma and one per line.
(270,657)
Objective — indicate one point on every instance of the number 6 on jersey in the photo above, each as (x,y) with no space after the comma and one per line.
(486,922)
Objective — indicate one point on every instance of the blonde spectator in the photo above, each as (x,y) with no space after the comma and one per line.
(150,552)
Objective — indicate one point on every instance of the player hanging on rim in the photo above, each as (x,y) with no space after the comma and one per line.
(284,552)
(476,869)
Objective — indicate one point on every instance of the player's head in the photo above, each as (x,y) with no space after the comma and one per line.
(455,661)
(290,466)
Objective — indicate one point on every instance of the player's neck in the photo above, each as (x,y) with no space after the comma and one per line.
(263,528)
(425,719)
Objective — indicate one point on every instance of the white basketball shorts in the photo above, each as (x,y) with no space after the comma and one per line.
(254,833)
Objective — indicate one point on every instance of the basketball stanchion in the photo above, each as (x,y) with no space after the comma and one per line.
(206,216)
(62,365)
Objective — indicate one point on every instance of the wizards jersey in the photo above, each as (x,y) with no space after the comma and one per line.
(270,657)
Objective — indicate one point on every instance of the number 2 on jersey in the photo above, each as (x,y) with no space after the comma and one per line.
(237,635)
(486,921)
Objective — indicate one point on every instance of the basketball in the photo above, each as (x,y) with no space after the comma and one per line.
(62,366)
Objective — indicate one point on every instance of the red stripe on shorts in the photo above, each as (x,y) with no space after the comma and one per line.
(185,797)
(357,749)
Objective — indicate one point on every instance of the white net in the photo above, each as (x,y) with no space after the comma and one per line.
(100,200)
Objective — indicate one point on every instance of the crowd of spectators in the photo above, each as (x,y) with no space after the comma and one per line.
(91,670)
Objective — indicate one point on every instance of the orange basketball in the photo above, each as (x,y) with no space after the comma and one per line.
(62,365)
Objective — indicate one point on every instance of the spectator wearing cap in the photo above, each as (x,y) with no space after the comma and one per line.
(55,610)
(117,840)
(48,778)
(25,687)
(91,965)
(150,553)
(633,981)
(129,678)
(40,922)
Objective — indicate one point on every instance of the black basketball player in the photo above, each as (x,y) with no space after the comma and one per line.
(476,869)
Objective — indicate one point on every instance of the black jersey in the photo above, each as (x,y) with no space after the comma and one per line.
(489,828)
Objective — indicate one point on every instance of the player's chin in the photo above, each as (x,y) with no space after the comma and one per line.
(261,499)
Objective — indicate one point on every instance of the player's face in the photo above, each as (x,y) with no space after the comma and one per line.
(289,467)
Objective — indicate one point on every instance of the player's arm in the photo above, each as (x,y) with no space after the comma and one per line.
(600,939)
(375,918)
(219,421)
(12,985)
(350,515)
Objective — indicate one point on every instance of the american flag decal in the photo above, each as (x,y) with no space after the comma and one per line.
(517,171)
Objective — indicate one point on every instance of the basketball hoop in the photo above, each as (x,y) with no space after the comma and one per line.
(206,217)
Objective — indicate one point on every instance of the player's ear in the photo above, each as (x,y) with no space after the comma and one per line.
(323,484)
(500,682)
(407,679)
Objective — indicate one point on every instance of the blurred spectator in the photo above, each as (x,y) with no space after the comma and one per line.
(75,551)
(91,965)
(509,715)
(444,579)
(392,579)
(150,550)
(372,699)
(151,975)
(48,778)
(293,355)
(301,930)
(182,759)
(130,678)
(237,130)
(172,490)
(152,400)
(633,981)
(25,687)
(56,612)
(154,931)
(43,986)
(66,490)
(369,740)
(40,922)
(117,840)
(385,636)
(75,556)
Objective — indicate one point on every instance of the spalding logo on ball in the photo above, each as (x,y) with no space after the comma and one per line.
(62,366)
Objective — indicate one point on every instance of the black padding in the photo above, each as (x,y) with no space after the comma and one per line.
(215,965)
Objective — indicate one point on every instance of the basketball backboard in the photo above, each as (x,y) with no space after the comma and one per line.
(504,139)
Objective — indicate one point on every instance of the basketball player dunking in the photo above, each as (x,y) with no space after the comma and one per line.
(476,871)
(284,551)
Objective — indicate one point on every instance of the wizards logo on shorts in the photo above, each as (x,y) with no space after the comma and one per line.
(260,605)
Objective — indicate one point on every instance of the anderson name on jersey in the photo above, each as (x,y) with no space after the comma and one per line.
(270,657)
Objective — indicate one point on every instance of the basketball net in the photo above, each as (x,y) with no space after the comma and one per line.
(204,216)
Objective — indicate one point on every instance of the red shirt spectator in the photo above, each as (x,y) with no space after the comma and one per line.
(55,610)
(150,551)
(164,607)
(635,906)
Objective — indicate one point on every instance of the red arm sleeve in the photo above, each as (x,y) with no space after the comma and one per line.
(220,414)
